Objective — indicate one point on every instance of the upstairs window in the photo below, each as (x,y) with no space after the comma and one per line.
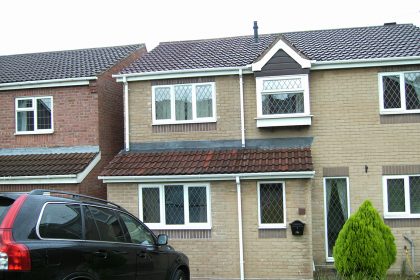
(399,92)
(401,196)
(34,115)
(283,98)
(185,103)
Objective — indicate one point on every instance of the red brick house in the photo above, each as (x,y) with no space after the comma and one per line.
(61,117)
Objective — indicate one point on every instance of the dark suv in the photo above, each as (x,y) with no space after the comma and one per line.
(64,236)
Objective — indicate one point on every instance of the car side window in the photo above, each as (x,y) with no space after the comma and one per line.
(136,231)
(61,221)
(108,224)
(91,228)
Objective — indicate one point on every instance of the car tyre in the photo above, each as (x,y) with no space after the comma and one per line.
(179,275)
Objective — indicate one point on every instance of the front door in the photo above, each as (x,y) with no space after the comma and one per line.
(337,210)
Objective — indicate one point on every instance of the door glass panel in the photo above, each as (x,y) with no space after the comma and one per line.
(336,209)
(108,224)
(61,221)
(174,205)
(137,233)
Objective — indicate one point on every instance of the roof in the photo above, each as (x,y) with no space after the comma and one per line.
(61,64)
(397,40)
(44,164)
(209,162)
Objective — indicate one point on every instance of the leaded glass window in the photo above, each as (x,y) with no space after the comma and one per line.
(34,115)
(271,199)
(400,92)
(184,103)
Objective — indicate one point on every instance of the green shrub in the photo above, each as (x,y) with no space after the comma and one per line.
(365,247)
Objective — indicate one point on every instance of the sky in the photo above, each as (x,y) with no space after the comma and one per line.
(28,26)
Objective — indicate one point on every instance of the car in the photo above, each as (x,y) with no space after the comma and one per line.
(48,234)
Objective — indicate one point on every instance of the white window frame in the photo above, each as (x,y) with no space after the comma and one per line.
(194,119)
(272,226)
(398,215)
(403,109)
(33,109)
(305,89)
(187,224)
(327,258)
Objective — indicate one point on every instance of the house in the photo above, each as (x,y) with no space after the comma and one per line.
(61,117)
(228,141)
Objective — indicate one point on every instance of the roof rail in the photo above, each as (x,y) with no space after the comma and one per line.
(76,196)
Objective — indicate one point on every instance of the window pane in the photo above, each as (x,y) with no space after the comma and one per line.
(137,232)
(92,232)
(391,86)
(336,208)
(151,205)
(396,195)
(174,205)
(108,224)
(61,221)
(204,101)
(271,203)
(412,90)
(25,103)
(415,195)
(197,204)
(282,103)
(163,103)
(284,84)
(25,121)
(44,113)
(183,102)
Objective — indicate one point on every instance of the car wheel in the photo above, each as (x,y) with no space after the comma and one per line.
(179,275)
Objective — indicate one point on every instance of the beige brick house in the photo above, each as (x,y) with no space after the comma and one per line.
(228,141)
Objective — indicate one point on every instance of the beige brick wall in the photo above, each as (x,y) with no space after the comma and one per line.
(218,256)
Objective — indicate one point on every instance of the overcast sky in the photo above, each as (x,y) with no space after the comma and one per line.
(46,25)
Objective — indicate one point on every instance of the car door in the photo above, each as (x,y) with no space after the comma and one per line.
(106,250)
(152,262)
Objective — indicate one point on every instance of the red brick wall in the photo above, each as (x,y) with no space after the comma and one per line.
(75,118)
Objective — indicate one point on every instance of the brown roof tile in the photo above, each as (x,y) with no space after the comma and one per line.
(210,162)
(44,164)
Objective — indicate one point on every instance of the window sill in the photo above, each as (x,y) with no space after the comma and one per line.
(277,226)
(284,121)
(184,122)
(408,216)
(178,227)
(399,112)
(34,132)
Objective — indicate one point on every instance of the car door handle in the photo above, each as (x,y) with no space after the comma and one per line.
(101,254)
(141,255)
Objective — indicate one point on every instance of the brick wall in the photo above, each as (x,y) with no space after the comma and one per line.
(217,257)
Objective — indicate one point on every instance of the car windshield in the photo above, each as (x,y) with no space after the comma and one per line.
(5,203)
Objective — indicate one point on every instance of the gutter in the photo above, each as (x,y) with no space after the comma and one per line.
(201,72)
(208,177)
(126,116)
(358,63)
(47,83)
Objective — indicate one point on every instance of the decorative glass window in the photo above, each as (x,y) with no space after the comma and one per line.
(180,206)
(184,103)
(34,115)
(337,210)
(399,92)
(271,205)
(401,196)
(283,98)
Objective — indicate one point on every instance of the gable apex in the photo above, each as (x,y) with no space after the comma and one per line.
(281,44)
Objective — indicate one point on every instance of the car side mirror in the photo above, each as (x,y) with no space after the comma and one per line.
(162,239)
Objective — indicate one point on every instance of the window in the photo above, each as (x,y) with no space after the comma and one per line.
(283,101)
(401,196)
(337,210)
(271,205)
(399,92)
(181,206)
(61,221)
(186,103)
(34,115)
(137,233)
(107,223)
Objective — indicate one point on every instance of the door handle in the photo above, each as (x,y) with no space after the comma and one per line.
(101,254)
(141,255)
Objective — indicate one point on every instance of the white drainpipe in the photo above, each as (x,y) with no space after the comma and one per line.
(241,92)
(126,116)
(241,242)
